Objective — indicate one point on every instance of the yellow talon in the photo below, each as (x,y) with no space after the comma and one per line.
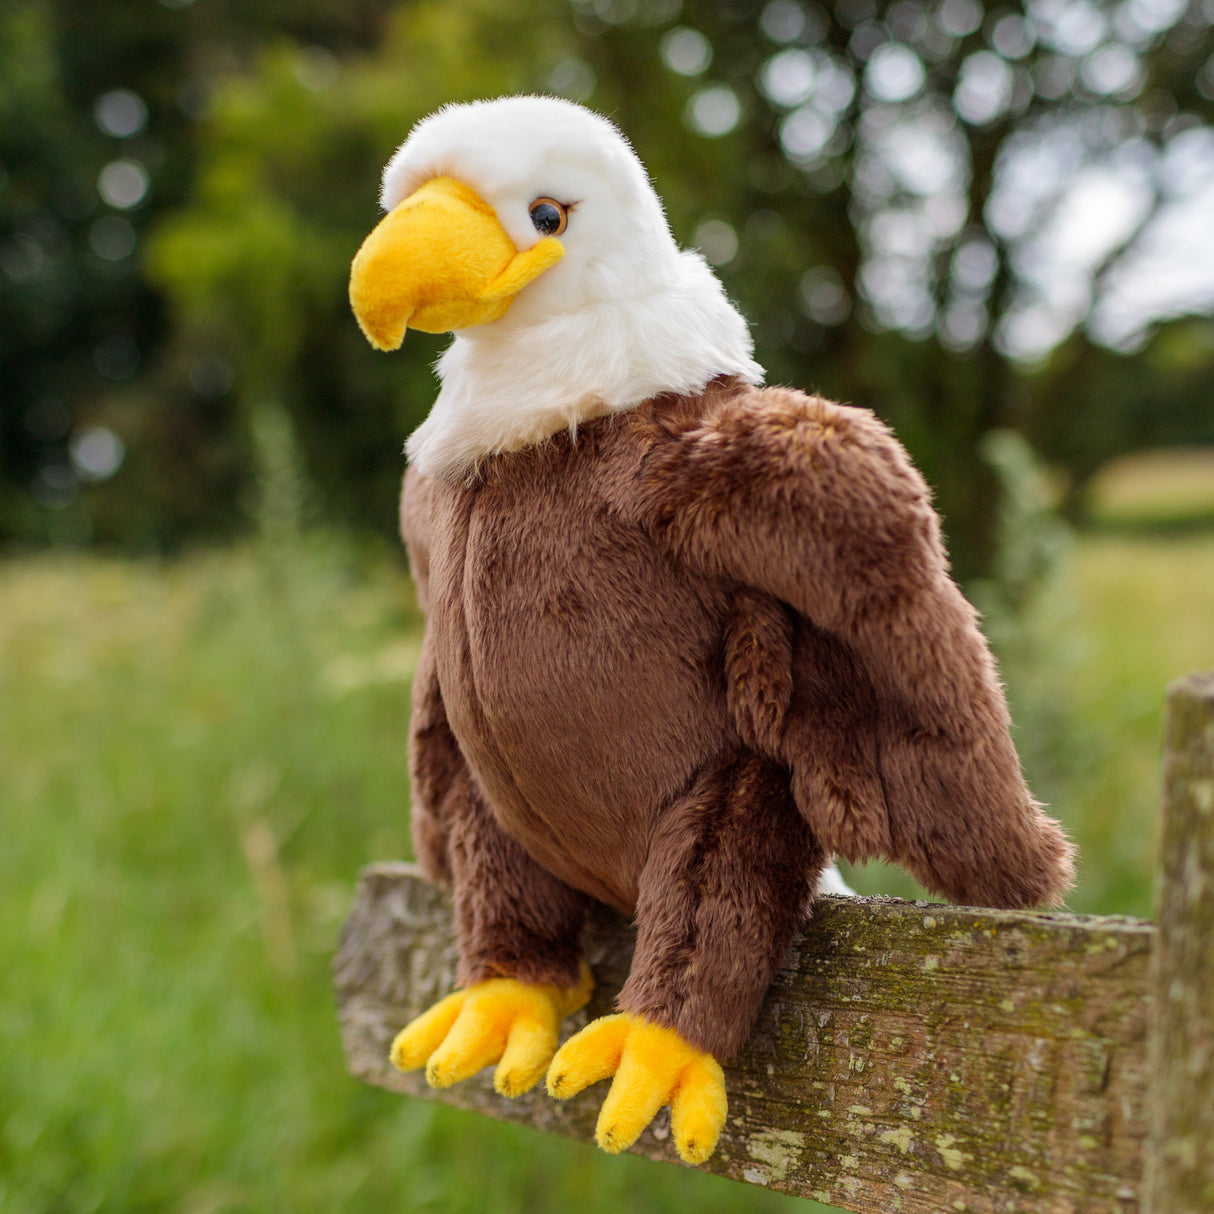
(652,1066)
(501,1020)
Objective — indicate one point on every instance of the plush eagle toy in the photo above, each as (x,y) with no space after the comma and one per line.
(687,636)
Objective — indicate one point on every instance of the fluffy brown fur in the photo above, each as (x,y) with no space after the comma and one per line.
(674,663)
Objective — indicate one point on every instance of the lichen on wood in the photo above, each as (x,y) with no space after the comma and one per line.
(909,1057)
(1181,1171)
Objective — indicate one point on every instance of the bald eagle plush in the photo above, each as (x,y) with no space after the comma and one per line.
(687,636)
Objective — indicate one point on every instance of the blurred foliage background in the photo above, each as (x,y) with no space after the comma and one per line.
(968,218)
(990,223)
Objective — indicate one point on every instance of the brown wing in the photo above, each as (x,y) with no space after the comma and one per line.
(896,729)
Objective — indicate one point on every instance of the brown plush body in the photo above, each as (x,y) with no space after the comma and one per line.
(673,665)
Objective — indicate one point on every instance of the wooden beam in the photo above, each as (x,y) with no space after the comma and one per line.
(909,1057)
(1181,1170)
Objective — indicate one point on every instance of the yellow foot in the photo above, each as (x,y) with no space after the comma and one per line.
(500,1020)
(652,1066)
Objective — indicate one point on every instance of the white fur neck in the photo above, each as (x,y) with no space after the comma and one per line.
(623,316)
(508,386)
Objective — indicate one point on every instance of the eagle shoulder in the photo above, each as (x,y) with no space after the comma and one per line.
(813,501)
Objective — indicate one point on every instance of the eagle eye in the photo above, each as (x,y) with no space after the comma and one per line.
(549,217)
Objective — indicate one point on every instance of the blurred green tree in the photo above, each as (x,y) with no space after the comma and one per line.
(941,210)
(915,203)
(100,109)
(1089,404)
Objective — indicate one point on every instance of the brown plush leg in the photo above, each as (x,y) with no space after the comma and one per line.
(519,934)
(514,919)
(729,873)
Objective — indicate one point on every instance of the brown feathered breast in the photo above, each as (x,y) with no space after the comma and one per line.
(676,661)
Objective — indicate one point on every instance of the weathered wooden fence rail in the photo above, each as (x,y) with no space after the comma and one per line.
(912,1057)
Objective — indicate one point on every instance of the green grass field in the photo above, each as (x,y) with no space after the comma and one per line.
(197,757)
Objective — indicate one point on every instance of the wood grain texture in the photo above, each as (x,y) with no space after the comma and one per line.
(1180,1178)
(909,1057)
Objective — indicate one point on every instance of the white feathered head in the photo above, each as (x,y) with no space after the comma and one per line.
(529,228)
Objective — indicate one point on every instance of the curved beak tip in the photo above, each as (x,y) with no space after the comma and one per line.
(383,318)
(387,338)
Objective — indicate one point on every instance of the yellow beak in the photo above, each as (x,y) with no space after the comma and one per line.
(439,261)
